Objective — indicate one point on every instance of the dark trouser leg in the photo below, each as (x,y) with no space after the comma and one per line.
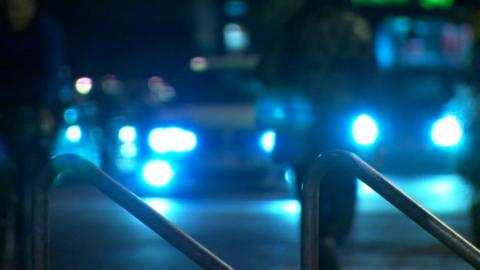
(5,192)
(29,154)
(336,216)
(475,220)
(6,213)
(338,196)
(3,231)
(327,255)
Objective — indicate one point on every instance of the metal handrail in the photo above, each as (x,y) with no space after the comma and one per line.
(349,162)
(119,194)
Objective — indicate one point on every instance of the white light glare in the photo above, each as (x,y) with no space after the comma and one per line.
(127,134)
(291,207)
(158,173)
(442,188)
(73,133)
(172,139)
(447,131)
(128,150)
(84,85)
(267,141)
(365,130)
(161,206)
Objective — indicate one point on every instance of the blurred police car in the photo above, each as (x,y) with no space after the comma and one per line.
(411,128)
(198,147)
(399,139)
(180,149)
(412,122)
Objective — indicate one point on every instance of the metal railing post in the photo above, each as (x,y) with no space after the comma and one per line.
(81,168)
(347,161)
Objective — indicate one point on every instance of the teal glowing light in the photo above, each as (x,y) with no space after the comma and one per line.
(365,130)
(158,173)
(127,134)
(447,131)
(267,141)
(73,133)
(172,139)
(128,150)
(71,115)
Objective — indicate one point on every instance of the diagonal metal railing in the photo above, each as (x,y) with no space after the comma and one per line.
(325,164)
(348,162)
(82,168)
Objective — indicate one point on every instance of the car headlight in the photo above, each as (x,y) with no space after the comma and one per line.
(73,133)
(447,131)
(365,130)
(158,173)
(127,134)
(267,141)
(172,139)
(128,150)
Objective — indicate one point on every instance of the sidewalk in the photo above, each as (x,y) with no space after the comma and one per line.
(394,242)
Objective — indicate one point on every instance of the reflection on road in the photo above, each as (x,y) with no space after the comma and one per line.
(253,232)
(440,194)
(289,208)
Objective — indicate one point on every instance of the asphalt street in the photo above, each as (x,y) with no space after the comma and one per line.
(253,231)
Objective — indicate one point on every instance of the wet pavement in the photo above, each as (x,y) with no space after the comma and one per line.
(253,231)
